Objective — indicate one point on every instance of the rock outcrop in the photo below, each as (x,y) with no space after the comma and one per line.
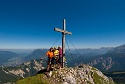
(24,70)
(83,74)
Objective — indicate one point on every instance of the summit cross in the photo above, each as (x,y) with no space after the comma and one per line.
(64,32)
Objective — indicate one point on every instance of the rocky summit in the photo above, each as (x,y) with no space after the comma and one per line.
(83,74)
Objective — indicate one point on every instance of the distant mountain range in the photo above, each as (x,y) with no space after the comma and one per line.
(113,60)
(101,50)
(76,57)
(105,58)
(9,58)
(36,54)
(18,51)
(6,55)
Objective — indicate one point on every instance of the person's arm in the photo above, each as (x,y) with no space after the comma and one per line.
(44,56)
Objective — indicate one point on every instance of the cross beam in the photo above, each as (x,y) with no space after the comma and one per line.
(64,32)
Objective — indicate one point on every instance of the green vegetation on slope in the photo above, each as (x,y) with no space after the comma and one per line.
(4,77)
(38,79)
(97,79)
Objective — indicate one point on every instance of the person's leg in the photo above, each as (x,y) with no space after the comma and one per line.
(57,61)
(49,63)
(48,67)
(53,62)
(60,62)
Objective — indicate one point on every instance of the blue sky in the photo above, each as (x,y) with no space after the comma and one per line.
(30,23)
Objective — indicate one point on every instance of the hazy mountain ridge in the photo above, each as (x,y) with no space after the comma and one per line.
(113,60)
(13,59)
(6,55)
(119,49)
(19,51)
(101,50)
(36,54)
(93,57)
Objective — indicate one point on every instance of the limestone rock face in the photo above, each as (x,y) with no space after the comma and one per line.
(111,61)
(24,69)
(83,74)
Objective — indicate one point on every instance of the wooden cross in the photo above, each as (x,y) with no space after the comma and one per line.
(64,32)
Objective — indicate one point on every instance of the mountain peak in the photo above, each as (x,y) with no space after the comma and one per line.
(36,54)
(82,74)
(120,47)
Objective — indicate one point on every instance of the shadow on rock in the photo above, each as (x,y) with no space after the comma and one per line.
(44,71)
